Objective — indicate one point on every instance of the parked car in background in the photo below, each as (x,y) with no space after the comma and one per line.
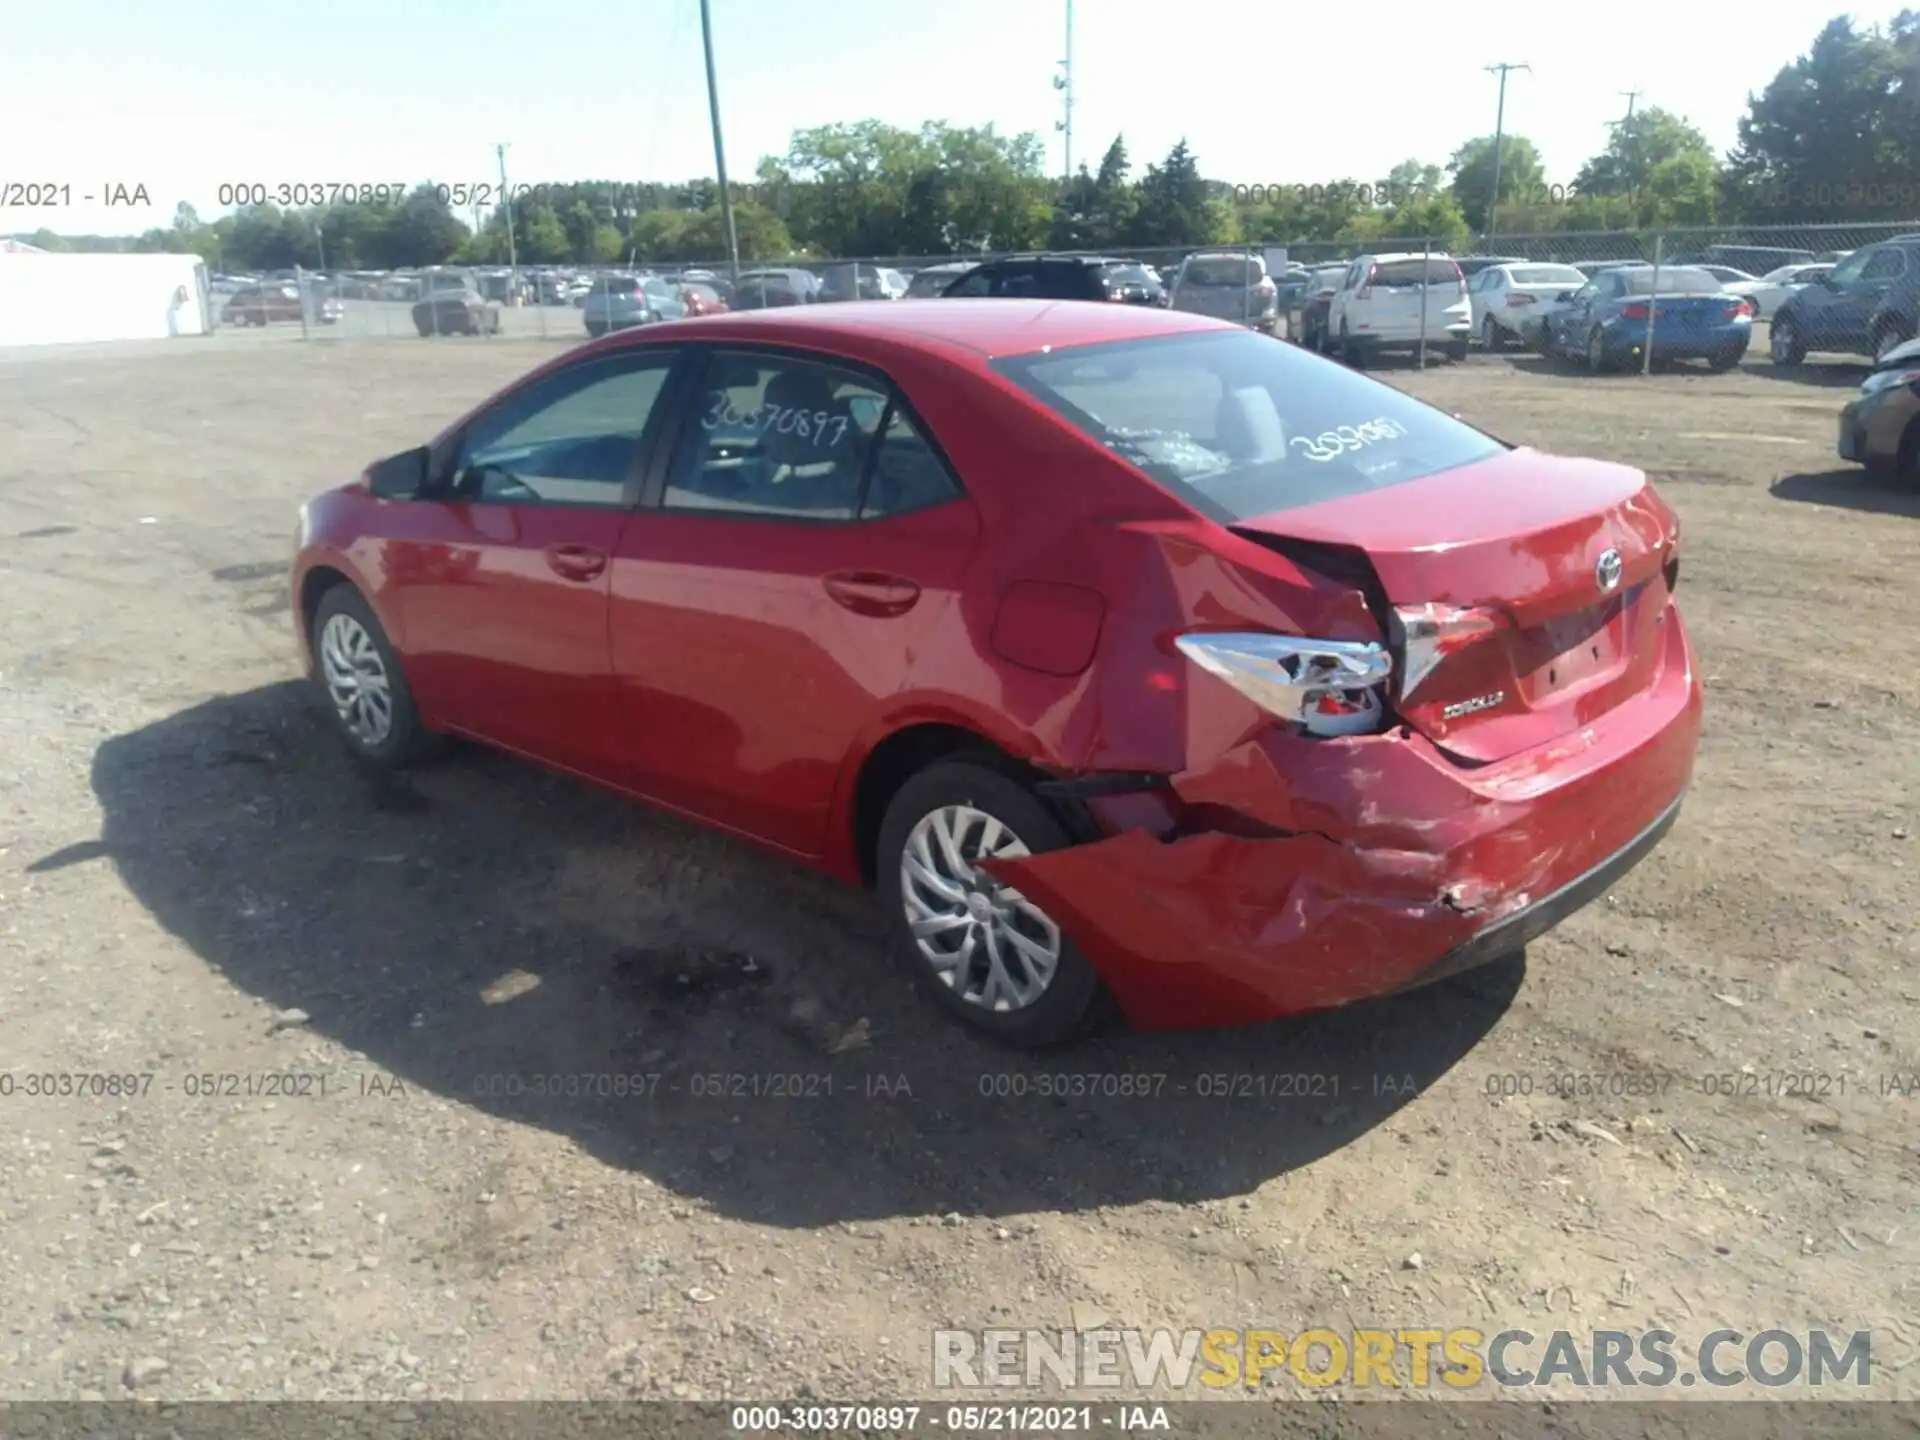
(1055,277)
(1866,305)
(1880,428)
(1727,274)
(617,302)
(266,303)
(1447,673)
(852,280)
(1605,323)
(1770,289)
(1136,284)
(700,298)
(1591,268)
(932,281)
(1400,302)
(1512,300)
(772,289)
(1228,285)
(1307,322)
(1472,265)
(455,310)
(1751,259)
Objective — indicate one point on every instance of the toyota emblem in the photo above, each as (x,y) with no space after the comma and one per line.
(1606,574)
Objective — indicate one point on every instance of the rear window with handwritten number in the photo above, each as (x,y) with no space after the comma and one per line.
(1239,425)
(777,437)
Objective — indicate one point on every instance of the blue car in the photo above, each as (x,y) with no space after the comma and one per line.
(1605,322)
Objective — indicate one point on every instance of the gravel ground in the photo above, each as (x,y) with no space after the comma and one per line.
(195,888)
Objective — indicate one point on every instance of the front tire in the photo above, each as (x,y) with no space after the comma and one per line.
(1785,344)
(1597,352)
(362,686)
(987,955)
(1457,351)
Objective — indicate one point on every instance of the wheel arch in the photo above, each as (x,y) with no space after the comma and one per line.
(906,744)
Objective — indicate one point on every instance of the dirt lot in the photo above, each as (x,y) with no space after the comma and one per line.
(185,859)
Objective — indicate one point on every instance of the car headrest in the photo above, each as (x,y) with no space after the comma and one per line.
(1248,427)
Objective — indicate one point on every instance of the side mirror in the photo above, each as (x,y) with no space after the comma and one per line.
(1827,282)
(399,477)
(1564,296)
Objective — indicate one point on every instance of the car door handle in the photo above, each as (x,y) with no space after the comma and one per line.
(576,562)
(866,593)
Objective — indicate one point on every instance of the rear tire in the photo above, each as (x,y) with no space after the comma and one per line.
(1492,336)
(1352,351)
(1906,464)
(1726,360)
(1071,999)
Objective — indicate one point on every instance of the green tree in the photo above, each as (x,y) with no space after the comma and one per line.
(1835,136)
(1471,170)
(1638,148)
(420,230)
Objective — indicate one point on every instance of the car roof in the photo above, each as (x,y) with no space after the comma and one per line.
(986,327)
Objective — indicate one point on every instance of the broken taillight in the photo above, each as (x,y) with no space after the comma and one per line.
(1428,634)
(1327,687)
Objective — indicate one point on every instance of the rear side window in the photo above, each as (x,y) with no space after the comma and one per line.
(1399,274)
(974,282)
(1238,426)
(1232,271)
(1564,275)
(1680,281)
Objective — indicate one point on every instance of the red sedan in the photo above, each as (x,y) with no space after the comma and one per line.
(1124,652)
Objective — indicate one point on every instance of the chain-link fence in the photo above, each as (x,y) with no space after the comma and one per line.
(572,302)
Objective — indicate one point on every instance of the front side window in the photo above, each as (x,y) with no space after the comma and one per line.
(784,437)
(1888,264)
(568,440)
(1850,269)
(1238,426)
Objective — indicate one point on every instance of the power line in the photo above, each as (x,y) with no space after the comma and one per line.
(1063,82)
(1499,136)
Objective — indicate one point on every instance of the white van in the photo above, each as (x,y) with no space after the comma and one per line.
(1378,307)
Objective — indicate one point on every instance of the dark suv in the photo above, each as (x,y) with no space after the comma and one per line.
(1061,277)
(1865,305)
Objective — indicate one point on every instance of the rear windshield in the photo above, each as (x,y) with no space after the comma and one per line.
(931,282)
(1679,281)
(1238,426)
(617,285)
(1129,275)
(1224,270)
(1394,273)
(1546,275)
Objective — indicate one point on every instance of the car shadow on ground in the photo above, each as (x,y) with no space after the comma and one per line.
(1820,374)
(1851,488)
(484,923)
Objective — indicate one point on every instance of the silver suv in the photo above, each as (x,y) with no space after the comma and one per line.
(1228,285)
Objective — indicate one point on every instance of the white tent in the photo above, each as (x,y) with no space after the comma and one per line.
(52,299)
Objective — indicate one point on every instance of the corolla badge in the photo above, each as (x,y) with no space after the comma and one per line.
(1606,572)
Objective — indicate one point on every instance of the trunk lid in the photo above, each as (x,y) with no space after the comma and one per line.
(1511,626)
(1683,313)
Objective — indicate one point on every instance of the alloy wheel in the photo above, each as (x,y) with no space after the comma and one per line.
(357,680)
(985,941)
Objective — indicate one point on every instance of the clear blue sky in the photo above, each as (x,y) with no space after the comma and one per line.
(183,95)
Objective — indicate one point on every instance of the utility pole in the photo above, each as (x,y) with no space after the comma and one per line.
(1632,95)
(1499,139)
(719,149)
(1063,82)
(513,249)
